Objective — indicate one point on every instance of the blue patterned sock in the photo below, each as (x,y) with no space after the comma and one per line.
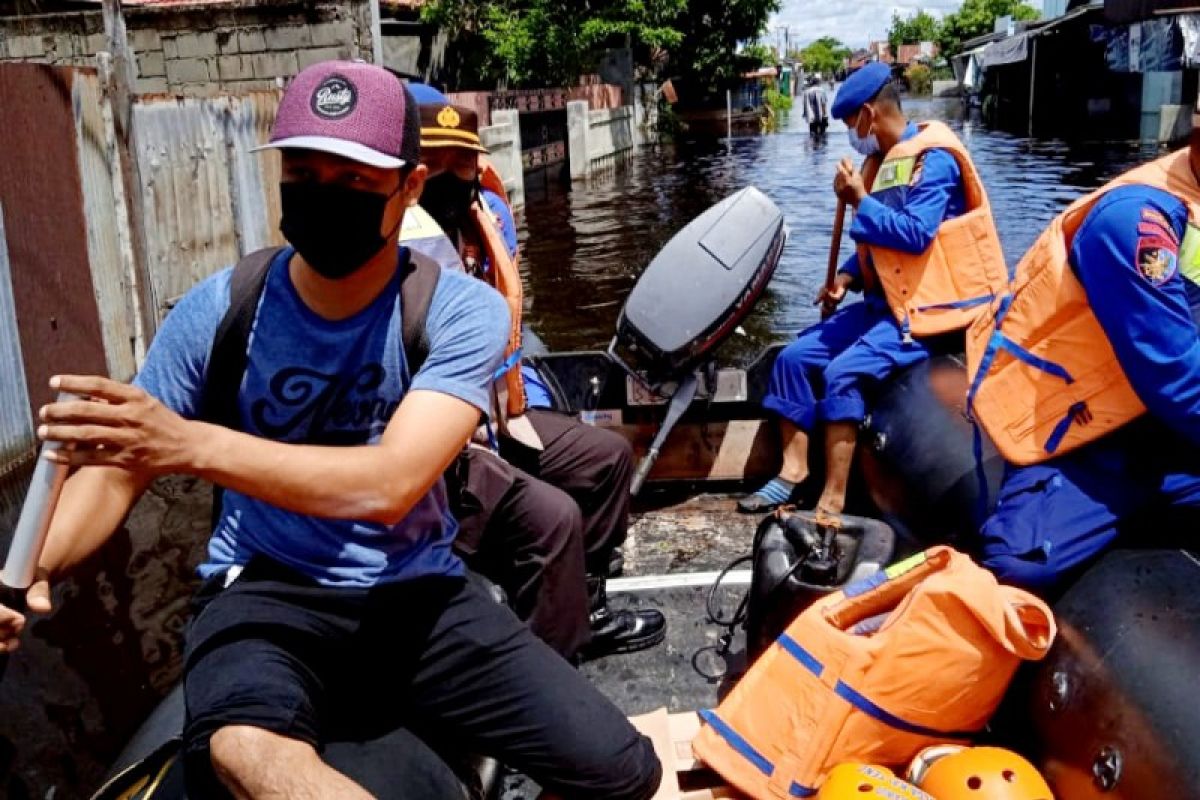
(777,490)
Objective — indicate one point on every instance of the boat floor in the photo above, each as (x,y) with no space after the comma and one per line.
(672,555)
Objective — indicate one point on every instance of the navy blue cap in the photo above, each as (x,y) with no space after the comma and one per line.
(859,88)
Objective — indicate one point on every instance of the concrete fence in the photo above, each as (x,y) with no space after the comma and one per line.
(598,139)
(503,139)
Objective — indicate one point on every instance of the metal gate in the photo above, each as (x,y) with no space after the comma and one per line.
(543,116)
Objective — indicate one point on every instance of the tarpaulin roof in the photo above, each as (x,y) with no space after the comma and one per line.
(1016,48)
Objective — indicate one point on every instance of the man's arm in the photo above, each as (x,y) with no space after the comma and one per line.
(911,229)
(468,325)
(1126,254)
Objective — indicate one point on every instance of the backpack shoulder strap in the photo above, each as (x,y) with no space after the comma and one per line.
(420,281)
(227,358)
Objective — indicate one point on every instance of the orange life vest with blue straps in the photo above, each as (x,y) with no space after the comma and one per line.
(918,654)
(504,275)
(949,285)
(1044,377)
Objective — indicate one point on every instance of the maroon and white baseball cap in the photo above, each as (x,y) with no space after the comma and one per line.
(351,109)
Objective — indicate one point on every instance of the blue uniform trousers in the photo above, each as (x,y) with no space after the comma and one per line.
(1053,517)
(824,374)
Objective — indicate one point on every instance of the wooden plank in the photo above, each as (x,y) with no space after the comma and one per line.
(719,451)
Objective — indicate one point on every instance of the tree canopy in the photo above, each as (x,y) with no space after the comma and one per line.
(974,18)
(824,56)
(977,17)
(548,42)
(920,27)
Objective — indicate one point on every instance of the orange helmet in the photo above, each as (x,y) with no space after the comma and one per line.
(951,772)
(863,782)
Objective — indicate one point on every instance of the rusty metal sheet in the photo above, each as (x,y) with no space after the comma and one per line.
(17,443)
(107,229)
(46,229)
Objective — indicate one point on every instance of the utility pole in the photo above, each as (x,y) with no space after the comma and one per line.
(117,72)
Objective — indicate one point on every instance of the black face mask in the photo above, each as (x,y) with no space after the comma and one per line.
(447,198)
(334,228)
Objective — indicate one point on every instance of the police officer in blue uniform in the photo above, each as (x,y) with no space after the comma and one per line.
(1139,267)
(826,375)
(546,524)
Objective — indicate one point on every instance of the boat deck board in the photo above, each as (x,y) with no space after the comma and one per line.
(698,534)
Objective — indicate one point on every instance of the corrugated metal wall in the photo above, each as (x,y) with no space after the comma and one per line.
(16,428)
(68,294)
(46,223)
(207,199)
(108,246)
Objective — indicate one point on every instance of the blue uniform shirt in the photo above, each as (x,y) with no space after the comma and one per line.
(337,383)
(1126,254)
(504,219)
(909,220)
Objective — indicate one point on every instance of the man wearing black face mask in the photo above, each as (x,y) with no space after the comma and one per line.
(544,520)
(332,594)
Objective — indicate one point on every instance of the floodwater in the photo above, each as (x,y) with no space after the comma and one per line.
(88,674)
(583,250)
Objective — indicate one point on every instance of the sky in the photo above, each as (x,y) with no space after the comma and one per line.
(855,22)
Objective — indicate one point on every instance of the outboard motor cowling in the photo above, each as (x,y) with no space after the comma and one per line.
(701,285)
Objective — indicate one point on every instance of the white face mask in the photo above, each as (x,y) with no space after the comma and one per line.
(866,145)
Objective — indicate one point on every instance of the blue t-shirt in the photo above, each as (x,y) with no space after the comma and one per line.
(327,382)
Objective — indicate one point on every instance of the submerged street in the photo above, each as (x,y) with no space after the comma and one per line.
(583,250)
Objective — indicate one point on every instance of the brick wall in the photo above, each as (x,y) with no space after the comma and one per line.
(199,50)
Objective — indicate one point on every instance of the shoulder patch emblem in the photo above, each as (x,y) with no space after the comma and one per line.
(1157,261)
(1150,215)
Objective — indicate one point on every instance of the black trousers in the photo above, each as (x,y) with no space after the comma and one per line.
(276,651)
(537,522)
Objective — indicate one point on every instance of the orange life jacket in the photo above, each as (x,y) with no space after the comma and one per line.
(949,285)
(840,685)
(504,276)
(1044,377)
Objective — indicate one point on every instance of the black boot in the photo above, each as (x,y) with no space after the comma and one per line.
(620,631)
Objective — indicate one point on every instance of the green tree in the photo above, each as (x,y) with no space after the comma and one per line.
(825,56)
(920,27)
(707,59)
(547,43)
(977,17)
(759,54)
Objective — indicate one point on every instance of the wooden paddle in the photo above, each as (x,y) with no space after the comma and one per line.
(835,246)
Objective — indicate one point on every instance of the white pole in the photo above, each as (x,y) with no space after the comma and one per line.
(20,566)
(729,114)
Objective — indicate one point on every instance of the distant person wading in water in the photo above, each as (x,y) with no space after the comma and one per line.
(815,107)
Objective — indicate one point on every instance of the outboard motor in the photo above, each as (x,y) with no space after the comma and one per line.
(720,262)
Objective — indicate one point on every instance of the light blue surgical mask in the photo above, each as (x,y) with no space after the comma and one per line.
(866,145)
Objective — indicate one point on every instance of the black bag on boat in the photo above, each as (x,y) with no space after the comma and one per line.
(795,562)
